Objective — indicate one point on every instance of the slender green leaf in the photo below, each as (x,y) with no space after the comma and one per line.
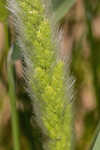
(60,8)
(97,143)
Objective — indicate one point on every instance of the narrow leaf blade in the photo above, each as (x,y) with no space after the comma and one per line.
(97,143)
(60,8)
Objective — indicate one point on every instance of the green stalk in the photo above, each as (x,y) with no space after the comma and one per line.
(12,95)
(14,115)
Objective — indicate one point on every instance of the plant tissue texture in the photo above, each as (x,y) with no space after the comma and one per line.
(48,83)
(3,11)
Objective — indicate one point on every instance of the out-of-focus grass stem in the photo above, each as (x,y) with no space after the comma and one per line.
(91,39)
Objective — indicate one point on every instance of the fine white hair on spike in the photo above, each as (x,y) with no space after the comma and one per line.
(43,105)
(19,27)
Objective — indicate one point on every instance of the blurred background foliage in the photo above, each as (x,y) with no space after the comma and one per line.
(81,41)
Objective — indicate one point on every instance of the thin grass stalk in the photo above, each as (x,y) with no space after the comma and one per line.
(12,95)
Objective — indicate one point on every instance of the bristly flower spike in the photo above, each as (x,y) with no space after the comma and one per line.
(48,82)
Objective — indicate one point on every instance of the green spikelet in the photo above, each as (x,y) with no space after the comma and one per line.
(45,73)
